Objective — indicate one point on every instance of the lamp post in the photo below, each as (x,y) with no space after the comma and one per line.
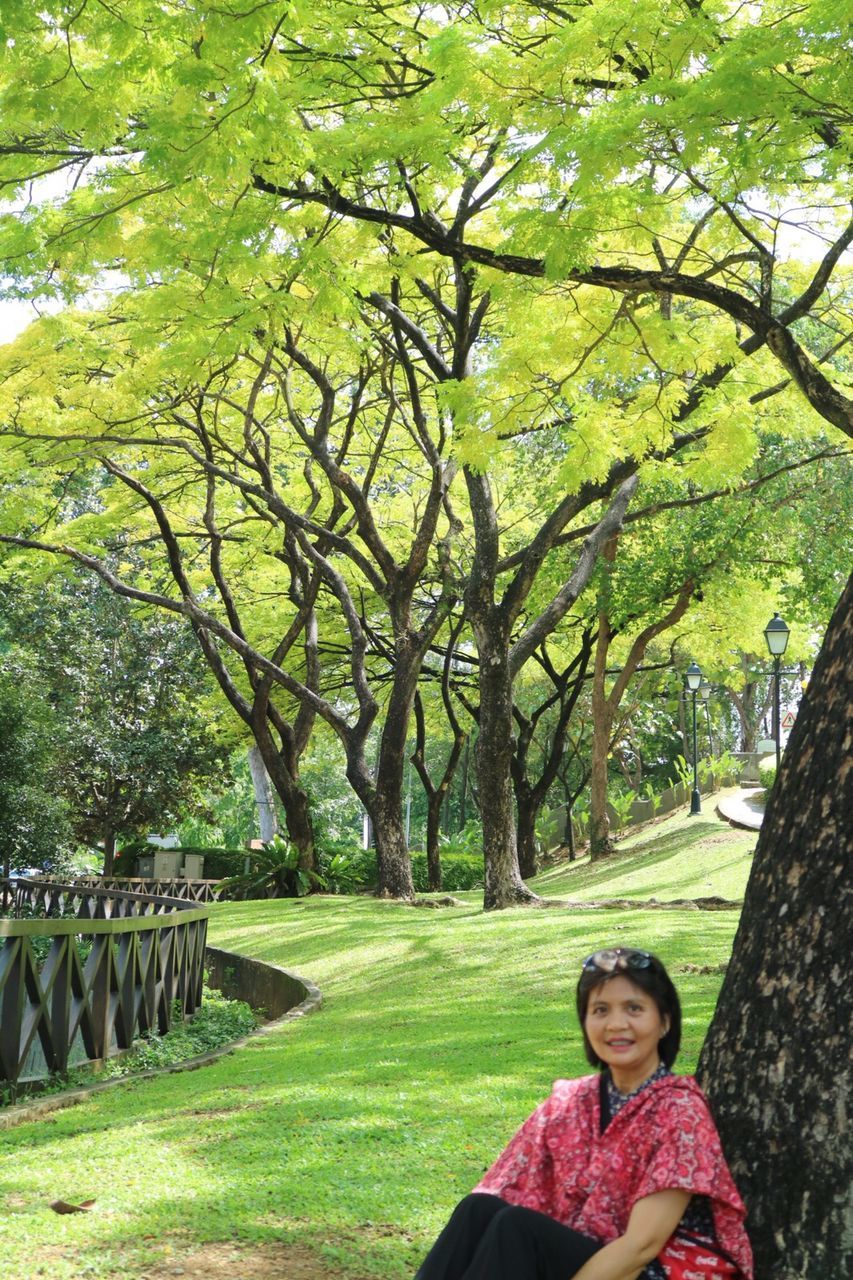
(776,634)
(693,679)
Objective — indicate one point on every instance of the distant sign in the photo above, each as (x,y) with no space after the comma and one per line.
(788,720)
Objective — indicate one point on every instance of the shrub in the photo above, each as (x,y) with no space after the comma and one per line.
(651,798)
(468,840)
(621,804)
(357,869)
(458,871)
(767,775)
(274,873)
(344,868)
(726,766)
(683,771)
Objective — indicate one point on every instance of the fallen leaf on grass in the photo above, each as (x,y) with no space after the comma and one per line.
(62,1206)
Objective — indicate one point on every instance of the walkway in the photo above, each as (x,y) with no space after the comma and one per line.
(744,808)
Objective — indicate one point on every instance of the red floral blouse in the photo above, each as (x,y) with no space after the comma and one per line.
(664,1138)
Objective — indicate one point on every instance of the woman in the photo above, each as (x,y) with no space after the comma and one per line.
(616,1176)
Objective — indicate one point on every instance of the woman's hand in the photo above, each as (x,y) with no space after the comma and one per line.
(653,1220)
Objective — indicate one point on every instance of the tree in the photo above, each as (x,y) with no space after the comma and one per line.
(130,736)
(34,830)
(531,790)
(437,794)
(776,1061)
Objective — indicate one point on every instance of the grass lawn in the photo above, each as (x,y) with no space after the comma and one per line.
(354,1131)
(681,856)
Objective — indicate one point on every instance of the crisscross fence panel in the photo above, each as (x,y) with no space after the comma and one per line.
(173,887)
(85,970)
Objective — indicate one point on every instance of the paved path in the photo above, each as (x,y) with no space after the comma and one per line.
(745,808)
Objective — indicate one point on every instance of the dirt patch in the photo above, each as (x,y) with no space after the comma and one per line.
(236,1262)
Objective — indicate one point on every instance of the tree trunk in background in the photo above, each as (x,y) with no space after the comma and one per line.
(433,850)
(109,853)
(528,807)
(267,818)
(281,771)
(463,800)
(600,844)
(776,1061)
(504,885)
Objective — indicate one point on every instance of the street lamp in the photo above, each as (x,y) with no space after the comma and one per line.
(693,679)
(776,634)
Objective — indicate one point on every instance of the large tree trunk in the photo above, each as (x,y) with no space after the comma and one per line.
(776,1061)
(392,851)
(392,848)
(504,885)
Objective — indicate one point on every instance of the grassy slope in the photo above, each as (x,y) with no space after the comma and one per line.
(355,1130)
(682,856)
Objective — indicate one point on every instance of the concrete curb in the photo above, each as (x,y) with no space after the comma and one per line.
(284,979)
(743,809)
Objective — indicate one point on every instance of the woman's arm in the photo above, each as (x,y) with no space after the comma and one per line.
(653,1220)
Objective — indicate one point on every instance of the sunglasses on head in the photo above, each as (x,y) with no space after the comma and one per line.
(614,958)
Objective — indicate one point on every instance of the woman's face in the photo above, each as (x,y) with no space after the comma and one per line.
(624,1026)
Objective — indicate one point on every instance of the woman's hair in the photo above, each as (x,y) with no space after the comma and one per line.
(647,973)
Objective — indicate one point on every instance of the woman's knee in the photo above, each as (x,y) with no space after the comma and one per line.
(510,1221)
(478,1202)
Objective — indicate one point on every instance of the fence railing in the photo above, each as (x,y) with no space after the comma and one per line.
(85,970)
(173,887)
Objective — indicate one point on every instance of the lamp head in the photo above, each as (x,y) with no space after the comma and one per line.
(776,634)
(693,677)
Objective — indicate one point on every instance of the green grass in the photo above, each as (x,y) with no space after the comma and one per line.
(682,856)
(355,1130)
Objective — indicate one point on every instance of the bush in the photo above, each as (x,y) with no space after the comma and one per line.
(458,871)
(767,775)
(468,840)
(345,868)
(274,872)
(358,869)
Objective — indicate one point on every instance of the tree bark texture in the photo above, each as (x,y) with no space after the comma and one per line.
(528,807)
(776,1062)
(504,885)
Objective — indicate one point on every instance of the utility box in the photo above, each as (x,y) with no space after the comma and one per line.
(167,864)
(145,866)
(193,866)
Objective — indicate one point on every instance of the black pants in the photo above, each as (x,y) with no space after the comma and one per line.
(488,1239)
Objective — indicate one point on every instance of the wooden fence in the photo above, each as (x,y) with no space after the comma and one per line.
(174,887)
(85,970)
